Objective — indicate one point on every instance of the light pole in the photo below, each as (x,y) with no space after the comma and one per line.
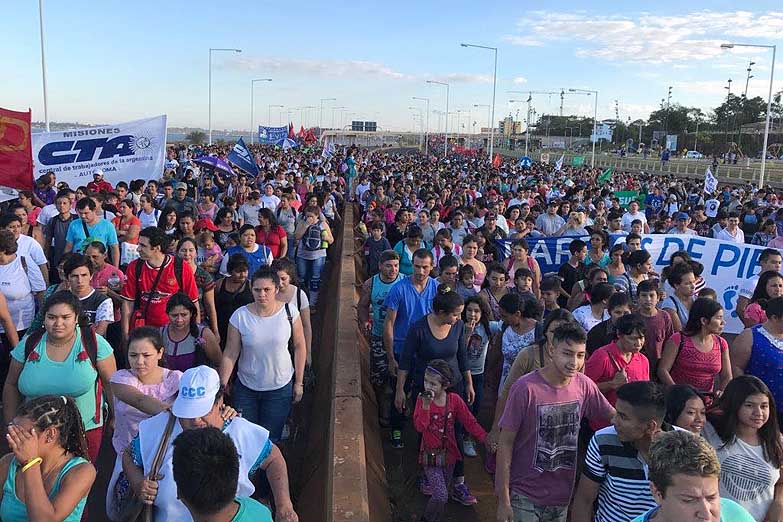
(494,85)
(595,119)
(321,112)
(446,130)
(333,111)
(769,102)
(252,106)
(427,128)
(279,114)
(211,50)
(306,108)
(43,63)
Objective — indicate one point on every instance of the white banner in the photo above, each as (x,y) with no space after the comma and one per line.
(125,151)
(726,266)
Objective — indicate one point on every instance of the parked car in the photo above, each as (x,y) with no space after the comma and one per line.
(694,154)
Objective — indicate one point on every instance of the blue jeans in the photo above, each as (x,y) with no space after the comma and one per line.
(269,409)
(309,272)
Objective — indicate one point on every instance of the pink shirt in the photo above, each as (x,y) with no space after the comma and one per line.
(126,417)
(546,421)
(605,363)
(695,367)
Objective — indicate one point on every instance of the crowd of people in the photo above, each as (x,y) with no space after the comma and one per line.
(611,392)
(175,316)
(172,315)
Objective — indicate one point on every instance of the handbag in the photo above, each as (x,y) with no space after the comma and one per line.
(132,508)
(436,458)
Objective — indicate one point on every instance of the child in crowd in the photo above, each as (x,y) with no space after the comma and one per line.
(466,284)
(596,311)
(437,411)
(709,293)
(209,254)
(659,324)
(373,247)
(523,283)
(637,227)
(550,290)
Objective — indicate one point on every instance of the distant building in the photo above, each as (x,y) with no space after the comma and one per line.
(509,127)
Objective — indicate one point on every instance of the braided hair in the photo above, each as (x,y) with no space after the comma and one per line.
(59,412)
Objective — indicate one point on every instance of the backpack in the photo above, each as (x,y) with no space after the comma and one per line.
(89,344)
(343,167)
(311,241)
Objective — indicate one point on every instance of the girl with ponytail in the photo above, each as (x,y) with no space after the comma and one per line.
(47,475)
(66,357)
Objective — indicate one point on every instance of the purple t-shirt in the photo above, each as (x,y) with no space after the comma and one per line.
(546,420)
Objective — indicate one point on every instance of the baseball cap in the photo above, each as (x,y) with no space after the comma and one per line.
(180,186)
(197,390)
(97,172)
(681,215)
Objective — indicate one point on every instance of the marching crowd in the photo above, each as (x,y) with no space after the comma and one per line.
(614,394)
(173,316)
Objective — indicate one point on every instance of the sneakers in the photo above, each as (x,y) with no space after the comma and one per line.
(461,494)
(469,448)
(396,439)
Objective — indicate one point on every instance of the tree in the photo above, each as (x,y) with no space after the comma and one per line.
(196,137)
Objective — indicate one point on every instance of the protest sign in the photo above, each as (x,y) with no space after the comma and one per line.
(626,196)
(124,151)
(16,165)
(577,161)
(544,157)
(271,134)
(726,264)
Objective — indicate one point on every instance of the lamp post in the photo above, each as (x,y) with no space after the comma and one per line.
(252,101)
(43,63)
(446,130)
(769,102)
(595,119)
(305,109)
(321,112)
(334,109)
(211,50)
(279,114)
(494,86)
(427,124)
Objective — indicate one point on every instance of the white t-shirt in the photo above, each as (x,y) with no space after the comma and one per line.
(18,287)
(749,286)
(711,207)
(724,235)
(47,213)
(745,476)
(31,249)
(304,301)
(628,218)
(264,362)
(584,316)
(270,201)
(149,220)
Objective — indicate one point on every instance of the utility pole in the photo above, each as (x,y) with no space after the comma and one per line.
(562,96)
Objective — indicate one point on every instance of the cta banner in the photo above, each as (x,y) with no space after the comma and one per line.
(271,134)
(726,265)
(125,151)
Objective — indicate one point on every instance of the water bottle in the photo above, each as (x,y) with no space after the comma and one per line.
(114,282)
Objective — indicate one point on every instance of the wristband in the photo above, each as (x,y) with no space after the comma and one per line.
(31,463)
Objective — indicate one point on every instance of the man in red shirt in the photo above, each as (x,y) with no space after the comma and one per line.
(98,183)
(619,362)
(149,287)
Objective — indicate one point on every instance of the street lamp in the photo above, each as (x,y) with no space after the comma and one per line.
(494,85)
(43,63)
(333,111)
(446,130)
(211,50)
(279,114)
(427,129)
(769,101)
(252,100)
(321,112)
(595,119)
(305,109)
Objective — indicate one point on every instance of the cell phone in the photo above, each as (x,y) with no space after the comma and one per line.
(426,394)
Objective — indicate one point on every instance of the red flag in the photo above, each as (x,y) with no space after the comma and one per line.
(16,151)
(497,161)
(301,132)
(291,131)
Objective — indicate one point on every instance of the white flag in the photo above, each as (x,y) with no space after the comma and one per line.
(559,163)
(328,151)
(710,182)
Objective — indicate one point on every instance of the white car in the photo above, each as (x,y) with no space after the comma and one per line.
(694,154)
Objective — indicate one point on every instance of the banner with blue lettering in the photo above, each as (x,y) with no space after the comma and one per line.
(726,264)
(243,158)
(125,151)
(271,134)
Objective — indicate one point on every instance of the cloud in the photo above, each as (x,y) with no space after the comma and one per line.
(527,41)
(342,69)
(520,80)
(649,38)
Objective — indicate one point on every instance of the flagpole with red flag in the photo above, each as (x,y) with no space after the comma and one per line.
(16,150)
(497,161)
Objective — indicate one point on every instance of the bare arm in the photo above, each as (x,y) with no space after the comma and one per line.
(740,352)
(75,486)
(363,308)
(582,510)
(283,246)
(211,311)
(127,311)
(300,352)
(230,354)
(11,396)
(8,323)
(212,347)
(133,397)
(115,255)
(277,474)
(668,356)
(388,340)
(676,323)
(106,368)
(100,327)
(725,370)
(503,475)
(307,327)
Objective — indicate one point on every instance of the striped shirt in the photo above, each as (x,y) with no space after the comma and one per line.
(625,489)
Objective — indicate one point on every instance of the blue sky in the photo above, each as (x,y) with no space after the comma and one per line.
(116,61)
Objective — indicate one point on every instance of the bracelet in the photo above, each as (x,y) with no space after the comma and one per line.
(31,463)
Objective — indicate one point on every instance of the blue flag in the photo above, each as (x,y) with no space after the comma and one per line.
(243,158)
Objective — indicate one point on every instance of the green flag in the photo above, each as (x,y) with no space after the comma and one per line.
(606,175)
(577,161)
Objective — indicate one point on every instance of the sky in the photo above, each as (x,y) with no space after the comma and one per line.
(111,61)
